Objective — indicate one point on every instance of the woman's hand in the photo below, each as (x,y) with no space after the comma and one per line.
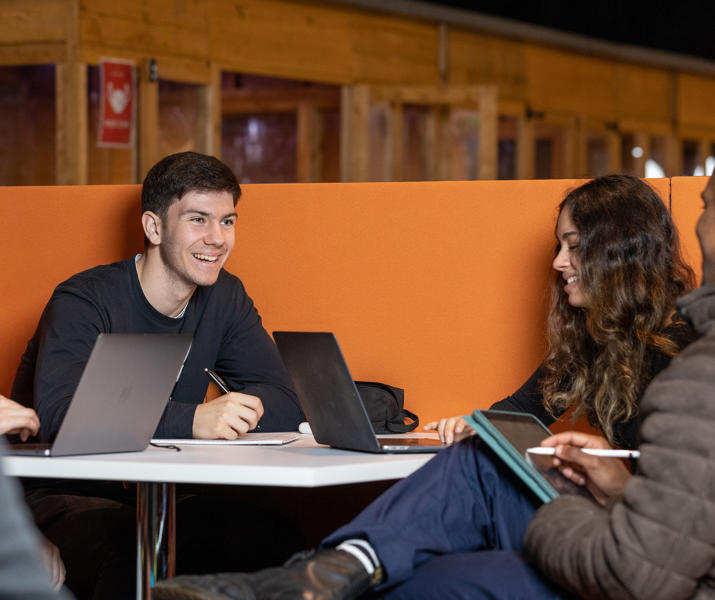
(603,477)
(15,418)
(451,429)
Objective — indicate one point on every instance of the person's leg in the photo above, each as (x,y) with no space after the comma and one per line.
(497,574)
(462,500)
(96,538)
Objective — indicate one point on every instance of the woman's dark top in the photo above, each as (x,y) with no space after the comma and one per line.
(529,399)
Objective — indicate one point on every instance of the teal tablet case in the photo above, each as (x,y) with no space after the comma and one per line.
(512,458)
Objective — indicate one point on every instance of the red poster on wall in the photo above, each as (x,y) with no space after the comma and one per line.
(116,103)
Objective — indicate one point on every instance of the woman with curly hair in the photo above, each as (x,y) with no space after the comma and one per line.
(612,325)
(455,528)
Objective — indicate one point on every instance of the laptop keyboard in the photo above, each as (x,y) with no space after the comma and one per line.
(409,442)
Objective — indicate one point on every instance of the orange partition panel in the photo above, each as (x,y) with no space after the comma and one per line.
(439,288)
(434,287)
(51,233)
(686,206)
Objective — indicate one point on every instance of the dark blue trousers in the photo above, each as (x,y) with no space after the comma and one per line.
(453,529)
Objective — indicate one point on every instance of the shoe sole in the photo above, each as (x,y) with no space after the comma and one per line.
(199,587)
(181,593)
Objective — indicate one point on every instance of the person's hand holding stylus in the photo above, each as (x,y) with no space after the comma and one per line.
(574,456)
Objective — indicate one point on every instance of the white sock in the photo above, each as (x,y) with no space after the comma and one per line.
(363,551)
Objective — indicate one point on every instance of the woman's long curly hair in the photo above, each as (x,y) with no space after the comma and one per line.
(631,273)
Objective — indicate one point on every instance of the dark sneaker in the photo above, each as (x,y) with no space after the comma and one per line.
(325,575)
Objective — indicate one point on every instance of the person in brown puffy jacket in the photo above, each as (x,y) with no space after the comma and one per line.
(658,539)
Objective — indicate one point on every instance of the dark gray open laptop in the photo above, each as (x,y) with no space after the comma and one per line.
(329,398)
(120,397)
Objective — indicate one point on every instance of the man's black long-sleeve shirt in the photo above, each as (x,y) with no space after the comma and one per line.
(227,336)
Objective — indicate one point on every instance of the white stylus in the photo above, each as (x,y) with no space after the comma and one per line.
(607,453)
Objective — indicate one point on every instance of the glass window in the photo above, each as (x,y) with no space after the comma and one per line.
(27,125)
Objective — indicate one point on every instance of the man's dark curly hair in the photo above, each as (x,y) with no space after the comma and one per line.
(178,174)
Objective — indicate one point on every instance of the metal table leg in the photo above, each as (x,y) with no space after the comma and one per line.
(156,535)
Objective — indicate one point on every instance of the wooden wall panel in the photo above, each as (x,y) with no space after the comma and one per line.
(562,81)
(147,121)
(319,42)
(281,39)
(488,133)
(643,93)
(33,54)
(119,33)
(209,120)
(174,32)
(32,22)
(525,148)
(397,51)
(33,32)
(128,9)
(71,124)
(184,14)
(476,58)
(696,100)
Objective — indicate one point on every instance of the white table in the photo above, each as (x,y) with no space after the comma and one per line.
(156,470)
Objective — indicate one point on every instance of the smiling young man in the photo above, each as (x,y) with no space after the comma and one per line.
(177,286)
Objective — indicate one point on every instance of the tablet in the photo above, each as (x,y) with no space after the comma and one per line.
(524,430)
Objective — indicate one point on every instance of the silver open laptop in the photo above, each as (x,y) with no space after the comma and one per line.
(121,395)
(329,398)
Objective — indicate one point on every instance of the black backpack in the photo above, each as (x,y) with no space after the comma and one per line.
(385,407)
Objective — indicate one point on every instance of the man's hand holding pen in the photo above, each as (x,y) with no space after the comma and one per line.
(228,416)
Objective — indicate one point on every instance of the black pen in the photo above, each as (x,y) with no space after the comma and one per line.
(221,384)
(218,380)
